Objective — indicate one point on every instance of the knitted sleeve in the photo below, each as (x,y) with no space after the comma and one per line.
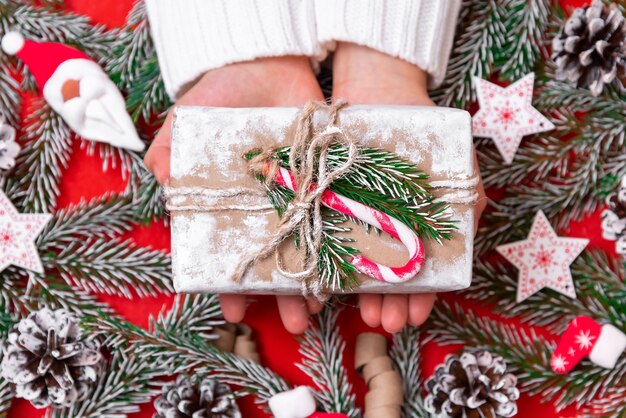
(418,31)
(194,36)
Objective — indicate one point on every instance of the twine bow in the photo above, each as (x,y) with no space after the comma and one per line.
(303,215)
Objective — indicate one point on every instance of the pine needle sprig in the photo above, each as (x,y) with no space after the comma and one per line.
(382,180)
(527,22)
(197,315)
(113,267)
(10,99)
(147,95)
(128,382)
(147,200)
(61,26)
(595,282)
(47,146)
(526,354)
(480,38)
(132,48)
(322,350)
(49,291)
(180,353)
(406,354)
(6,397)
(102,217)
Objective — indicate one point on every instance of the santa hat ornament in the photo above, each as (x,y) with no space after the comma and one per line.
(298,403)
(78,89)
(584,337)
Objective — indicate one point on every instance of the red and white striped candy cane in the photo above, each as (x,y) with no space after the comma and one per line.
(378,219)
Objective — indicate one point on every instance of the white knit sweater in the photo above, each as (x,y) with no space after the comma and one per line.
(193,36)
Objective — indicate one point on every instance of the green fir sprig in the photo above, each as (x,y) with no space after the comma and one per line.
(322,350)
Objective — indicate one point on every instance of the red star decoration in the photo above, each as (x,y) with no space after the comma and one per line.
(17,236)
(543,259)
(507,114)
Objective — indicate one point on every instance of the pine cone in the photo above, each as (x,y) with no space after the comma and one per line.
(590,49)
(188,398)
(8,147)
(48,361)
(472,386)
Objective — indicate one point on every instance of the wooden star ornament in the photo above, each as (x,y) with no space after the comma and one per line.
(18,232)
(507,114)
(543,259)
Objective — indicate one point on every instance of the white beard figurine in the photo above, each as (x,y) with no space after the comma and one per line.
(78,89)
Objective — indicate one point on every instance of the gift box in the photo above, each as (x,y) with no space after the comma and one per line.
(220,213)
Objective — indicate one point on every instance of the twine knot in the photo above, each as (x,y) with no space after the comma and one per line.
(312,175)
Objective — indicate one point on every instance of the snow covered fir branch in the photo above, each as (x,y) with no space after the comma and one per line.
(567,173)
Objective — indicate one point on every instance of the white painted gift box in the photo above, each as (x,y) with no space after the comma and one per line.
(207,149)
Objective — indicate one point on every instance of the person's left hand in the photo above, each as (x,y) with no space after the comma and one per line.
(364,76)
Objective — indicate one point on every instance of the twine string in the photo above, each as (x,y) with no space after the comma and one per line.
(303,217)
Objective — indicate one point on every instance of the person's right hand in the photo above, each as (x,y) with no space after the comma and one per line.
(266,82)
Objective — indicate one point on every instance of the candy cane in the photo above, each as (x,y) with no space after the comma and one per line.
(378,219)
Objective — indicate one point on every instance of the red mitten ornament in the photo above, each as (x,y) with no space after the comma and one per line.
(297,403)
(78,89)
(584,337)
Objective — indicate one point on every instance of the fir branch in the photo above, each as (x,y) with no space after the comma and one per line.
(180,353)
(406,355)
(10,99)
(47,291)
(382,180)
(147,200)
(102,217)
(147,95)
(480,37)
(600,288)
(46,151)
(132,48)
(12,288)
(196,315)
(6,397)
(322,350)
(526,21)
(113,267)
(60,26)
(128,382)
(527,355)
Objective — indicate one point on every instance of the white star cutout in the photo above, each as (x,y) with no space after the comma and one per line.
(584,339)
(543,259)
(507,114)
(571,352)
(17,236)
(558,363)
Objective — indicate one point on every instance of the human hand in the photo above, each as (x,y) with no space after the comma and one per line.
(266,82)
(364,76)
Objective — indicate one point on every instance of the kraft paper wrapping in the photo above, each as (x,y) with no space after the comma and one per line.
(385,395)
(237,219)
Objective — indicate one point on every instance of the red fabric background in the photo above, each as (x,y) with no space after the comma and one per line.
(279,351)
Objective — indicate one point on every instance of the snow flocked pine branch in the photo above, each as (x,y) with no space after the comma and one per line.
(172,347)
(527,354)
(406,354)
(600,289)
(322,350)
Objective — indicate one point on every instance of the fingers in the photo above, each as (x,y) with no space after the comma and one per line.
(293,312)
(420,306)
(371,306)
(233,307)
(157,158)
(395,312)
(314,306)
